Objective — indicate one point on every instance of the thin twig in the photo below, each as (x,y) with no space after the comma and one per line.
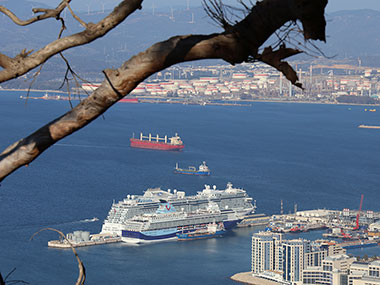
(75,76)
(82,271)
(76,17)
(215,9)
(35,76)
(5,281)
(46,13)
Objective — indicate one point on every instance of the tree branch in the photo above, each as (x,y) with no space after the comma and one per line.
(239,44)
(274,58)
(14,67)
(5,61)
(76,17)
(47,13)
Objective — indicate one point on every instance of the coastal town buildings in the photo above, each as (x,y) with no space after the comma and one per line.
(300,261)
(321,83)
(289,258)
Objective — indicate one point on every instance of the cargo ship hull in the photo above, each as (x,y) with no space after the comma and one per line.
(191,172)
(129,100)
(154,145)
(203,170)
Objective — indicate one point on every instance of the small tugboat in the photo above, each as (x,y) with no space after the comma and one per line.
(212,230)
(191,170)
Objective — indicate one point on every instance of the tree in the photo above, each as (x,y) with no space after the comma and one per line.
(240,42)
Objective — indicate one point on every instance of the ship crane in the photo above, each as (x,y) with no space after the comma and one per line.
(358,215)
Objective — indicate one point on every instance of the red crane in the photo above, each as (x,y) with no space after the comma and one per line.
(358,215)
(345,235)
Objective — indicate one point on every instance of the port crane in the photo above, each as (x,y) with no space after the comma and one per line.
(358,215)
(345,235)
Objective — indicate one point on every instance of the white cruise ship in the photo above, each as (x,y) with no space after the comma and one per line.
(231,198)
(167,223)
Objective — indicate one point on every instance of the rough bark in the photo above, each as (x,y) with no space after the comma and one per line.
(239,43)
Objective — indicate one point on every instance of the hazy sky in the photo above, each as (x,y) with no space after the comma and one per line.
(334,5)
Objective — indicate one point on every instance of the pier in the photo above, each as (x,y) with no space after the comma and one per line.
(368,127)
(254,220)
(249,278)
(81,239)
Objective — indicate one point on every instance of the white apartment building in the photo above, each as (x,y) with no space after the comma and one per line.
(266,253)
(288,258)
(333,271)
(364,273)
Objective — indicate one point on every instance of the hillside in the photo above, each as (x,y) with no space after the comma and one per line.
(351,34)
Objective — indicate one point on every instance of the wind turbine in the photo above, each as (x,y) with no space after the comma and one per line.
(172,14)
(192,19)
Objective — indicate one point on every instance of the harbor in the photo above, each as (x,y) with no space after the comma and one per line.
(268,176)
(62,96)
(349,228)
(346,228)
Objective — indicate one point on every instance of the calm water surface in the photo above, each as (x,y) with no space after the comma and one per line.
(311,155)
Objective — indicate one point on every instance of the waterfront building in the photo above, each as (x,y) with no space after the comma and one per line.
(333,271)
(364,273)
(266,252)
(357,271)
(315,255)
(293,259)
(335,249)
(367,280)
(288,258)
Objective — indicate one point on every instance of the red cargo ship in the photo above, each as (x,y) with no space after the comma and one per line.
(155,142)
(129,100)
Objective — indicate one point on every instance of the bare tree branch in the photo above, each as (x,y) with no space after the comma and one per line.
(77,18)
(240,43)
(47,13)
(14,67)
(82,270)
(5,61)
(216,11)
(5,281)
(274,58)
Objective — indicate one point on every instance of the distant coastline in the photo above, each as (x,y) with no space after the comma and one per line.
(33,90)
(150,99)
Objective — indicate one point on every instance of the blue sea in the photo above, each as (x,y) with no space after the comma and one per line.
(306,154)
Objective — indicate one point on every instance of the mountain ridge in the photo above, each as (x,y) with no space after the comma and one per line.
(351,34)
